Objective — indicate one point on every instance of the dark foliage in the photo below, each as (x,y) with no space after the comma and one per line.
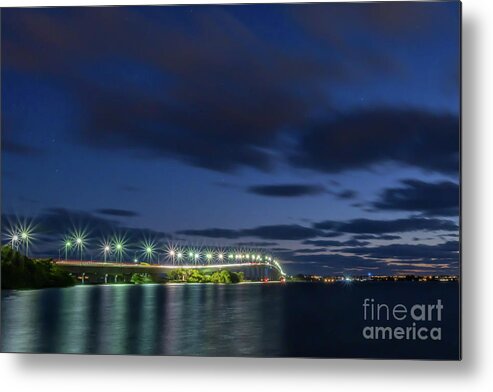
(21,272)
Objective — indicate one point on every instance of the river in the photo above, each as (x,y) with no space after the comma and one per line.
(293,319)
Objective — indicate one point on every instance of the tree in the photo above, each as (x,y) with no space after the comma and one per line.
(21,272)
(141,279)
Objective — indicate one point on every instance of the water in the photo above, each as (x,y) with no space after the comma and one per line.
(295,319)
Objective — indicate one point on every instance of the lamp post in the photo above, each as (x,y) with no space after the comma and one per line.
(106,251)
(149,251)
(25,238)
(80,244)
(119,250)
(14,241)
(68,244)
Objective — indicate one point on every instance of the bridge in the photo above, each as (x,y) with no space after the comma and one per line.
(121,272)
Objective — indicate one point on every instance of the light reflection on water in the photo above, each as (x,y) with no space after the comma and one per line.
(147,319)
(314,320)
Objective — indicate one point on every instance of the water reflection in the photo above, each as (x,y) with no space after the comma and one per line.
(213,320)
(148,319)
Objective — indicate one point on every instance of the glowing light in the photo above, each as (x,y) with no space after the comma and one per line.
(148,249)
(230,256)
(209,256)
(21,234)
(179,255)
(119,243)
(220,256)
(78,237)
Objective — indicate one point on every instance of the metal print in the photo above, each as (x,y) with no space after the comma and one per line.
(265,180)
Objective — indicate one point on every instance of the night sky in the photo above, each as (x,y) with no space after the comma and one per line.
(325,133)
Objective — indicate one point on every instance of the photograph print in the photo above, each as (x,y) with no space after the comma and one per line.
(260,180)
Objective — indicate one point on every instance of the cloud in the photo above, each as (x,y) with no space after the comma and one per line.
(19,148)
(376,226)
(346,194)
(270,232)
(238,94)
(212,233)
(117,212)
(430,199)
(390,259)
(283,232)
(256,244)
(231,94)
(287,190)
(447,251)
(386,237)
(329,243)
(405,136)
(328,229)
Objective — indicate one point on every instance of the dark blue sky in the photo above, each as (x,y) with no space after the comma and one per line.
(327,132)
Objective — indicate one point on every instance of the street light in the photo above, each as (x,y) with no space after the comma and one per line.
(15,239)
(119,250)
(26,239)
(79,244)
(148,250)
(68,245)
(106,250)
(171,254)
